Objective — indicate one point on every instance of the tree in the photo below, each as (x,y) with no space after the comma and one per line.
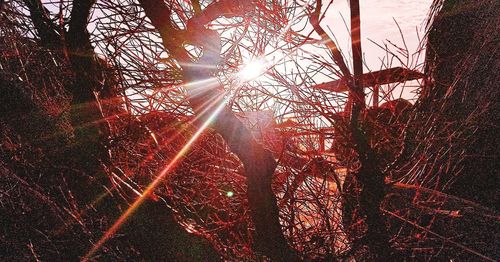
(158,94)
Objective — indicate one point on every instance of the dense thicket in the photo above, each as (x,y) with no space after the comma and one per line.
(76,150)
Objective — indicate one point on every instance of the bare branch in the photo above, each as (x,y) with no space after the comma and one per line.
(45,27)
(337,56)
(259,163)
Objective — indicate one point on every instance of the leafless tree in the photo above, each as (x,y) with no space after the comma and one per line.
(284,165)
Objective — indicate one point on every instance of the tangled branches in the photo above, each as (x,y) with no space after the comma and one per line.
(277,173)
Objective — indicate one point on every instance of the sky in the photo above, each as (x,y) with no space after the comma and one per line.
(378,23)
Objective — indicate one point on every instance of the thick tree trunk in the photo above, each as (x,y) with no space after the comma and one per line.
(88,150)
(259,164)
(46,30)
(369,176)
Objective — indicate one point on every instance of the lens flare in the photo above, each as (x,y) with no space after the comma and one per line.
(161,176)
(252,70)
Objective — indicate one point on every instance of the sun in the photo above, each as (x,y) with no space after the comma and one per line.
(252,70)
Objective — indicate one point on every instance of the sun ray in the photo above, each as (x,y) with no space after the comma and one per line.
(253,69)
(207,105)
(193,65)
(161,176)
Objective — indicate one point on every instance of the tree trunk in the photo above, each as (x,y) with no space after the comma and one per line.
(369,176)
(259,163)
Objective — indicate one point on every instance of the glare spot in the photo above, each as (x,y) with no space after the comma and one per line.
(230,193)
(252,70)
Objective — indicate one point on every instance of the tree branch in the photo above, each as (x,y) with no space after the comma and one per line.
(337,56)
(259,163)
(196,6)
(81,54)
(172,37)
(44,26)
(369,176)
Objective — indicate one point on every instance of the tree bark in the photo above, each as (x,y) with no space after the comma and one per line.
(259,163)
(369,176)
(45,28)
